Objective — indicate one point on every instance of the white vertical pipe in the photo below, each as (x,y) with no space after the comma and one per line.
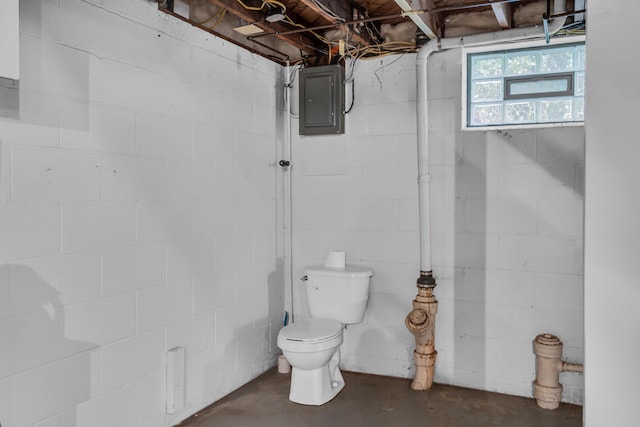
(422,111)
(287,196)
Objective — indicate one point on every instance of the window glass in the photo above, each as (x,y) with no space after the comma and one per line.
(520,112)
(579,85)
(519,64)
(487,66)
(526,86)
(532,87)
(486,114)
(487,90)
(556,60)
(578,109)
(580,60)
(555,110)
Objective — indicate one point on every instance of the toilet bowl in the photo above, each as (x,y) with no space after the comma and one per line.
(337,295)
(312,347)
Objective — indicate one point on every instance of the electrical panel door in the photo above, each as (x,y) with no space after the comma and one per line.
(322,100)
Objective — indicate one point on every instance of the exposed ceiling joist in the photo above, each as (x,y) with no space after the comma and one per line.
(503,14)
(301,41)
(341,13)
(427,22)
(321,31)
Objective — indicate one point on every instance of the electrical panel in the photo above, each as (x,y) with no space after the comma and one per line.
(321,100)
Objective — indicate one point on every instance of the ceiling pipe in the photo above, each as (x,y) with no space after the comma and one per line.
(421,320)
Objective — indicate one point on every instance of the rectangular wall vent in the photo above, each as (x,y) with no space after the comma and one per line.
(175,379)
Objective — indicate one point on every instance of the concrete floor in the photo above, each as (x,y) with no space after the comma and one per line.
(371,400)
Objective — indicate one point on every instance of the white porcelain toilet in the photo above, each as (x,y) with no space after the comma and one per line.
(337,296)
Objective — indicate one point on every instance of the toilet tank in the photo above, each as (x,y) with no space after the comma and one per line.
(338,293)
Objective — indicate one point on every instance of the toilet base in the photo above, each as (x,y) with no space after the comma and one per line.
(316,386)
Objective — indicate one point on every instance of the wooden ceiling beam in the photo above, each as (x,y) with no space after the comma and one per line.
(503,14)
(344,14)
(429,23)
(256,18)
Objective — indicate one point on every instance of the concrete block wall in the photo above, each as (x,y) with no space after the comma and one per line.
(509,236)
(356,193)
(611,225)
(506,220)
(137,214)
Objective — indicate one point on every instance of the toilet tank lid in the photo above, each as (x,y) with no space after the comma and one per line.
(347,271)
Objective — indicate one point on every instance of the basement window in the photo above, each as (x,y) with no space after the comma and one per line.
(533,86)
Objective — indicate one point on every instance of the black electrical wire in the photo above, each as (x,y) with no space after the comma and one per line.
(353,95)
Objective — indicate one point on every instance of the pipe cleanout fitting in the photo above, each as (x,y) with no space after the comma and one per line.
(421,322)
(547,388)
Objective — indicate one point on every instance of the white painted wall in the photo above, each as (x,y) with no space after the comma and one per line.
(137,213)
(357,193)
(9,40)
(506,220)
(509,243)
(612,234)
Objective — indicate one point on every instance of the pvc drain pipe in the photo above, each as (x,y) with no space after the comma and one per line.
(422,323)
(547,388)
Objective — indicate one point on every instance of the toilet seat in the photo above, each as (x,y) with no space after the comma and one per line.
(312,330)
(307,335)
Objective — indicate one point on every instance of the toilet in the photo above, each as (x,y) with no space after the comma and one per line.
(337,295)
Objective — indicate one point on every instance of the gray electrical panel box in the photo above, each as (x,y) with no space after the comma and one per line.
(322,100)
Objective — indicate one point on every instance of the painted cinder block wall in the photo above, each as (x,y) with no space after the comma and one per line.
(506,220)
(137,212)
(109,224)
(612,233)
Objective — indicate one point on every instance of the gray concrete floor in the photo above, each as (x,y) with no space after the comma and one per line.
(371,401)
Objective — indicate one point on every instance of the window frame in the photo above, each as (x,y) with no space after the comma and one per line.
(466,89)
(508,81)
